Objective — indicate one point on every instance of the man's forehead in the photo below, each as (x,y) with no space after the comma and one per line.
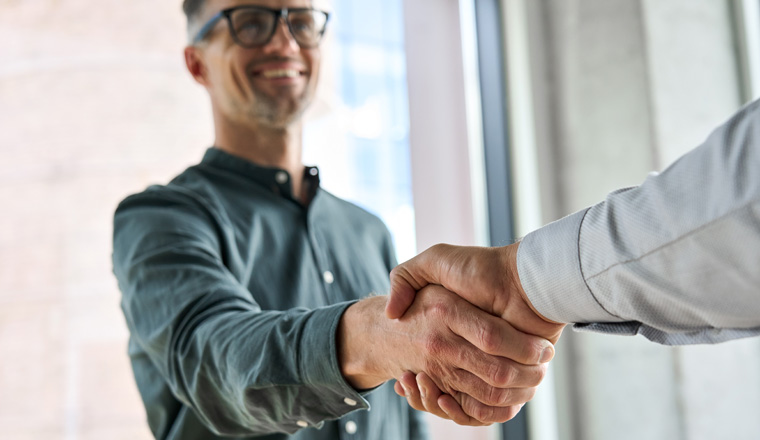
(213,6)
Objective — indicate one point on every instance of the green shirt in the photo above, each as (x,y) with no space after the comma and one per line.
(232,291)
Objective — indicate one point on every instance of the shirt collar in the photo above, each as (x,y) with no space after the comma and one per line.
(272,179)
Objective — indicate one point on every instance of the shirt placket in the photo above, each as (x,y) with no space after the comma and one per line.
(325,268)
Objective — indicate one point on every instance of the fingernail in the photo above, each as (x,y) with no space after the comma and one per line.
(406,390)
(423,392)
(547,354)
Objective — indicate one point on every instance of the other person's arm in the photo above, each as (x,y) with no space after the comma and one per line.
(675,259)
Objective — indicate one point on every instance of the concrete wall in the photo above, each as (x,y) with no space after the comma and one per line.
(622,88)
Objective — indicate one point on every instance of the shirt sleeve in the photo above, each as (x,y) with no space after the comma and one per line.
(243,370)
(675,259)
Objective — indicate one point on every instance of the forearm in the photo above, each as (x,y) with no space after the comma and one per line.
(242,370)
(247,372)
(675,258)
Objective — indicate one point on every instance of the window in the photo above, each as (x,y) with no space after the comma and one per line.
(358,133)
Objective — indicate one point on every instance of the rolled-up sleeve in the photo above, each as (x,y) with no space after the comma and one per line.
(243,370)
(675,259)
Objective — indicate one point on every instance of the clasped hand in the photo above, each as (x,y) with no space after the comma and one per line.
(510,342)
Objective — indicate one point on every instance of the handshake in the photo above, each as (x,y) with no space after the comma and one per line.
(463,342)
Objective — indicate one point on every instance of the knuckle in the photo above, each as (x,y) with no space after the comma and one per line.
(489,339)
(502,374)
(438,248)
(498,396)
(434,344)
(533,375)
(395,271)
(534,352)
(482,413)
(439,310)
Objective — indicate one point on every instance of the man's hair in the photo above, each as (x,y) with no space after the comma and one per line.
(192,9)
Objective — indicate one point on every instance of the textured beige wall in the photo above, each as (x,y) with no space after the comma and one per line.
(94,104)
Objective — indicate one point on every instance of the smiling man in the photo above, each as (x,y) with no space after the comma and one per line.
(242,278)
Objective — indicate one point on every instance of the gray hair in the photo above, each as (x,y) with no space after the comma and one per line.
(192,10)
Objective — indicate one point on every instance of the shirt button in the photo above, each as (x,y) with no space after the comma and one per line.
(313,171)
(351,427)
(281,177)
(349,401)
(302,424)
(328,277)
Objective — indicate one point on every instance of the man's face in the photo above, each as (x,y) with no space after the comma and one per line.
(269,85)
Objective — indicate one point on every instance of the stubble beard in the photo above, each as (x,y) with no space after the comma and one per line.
(278,111)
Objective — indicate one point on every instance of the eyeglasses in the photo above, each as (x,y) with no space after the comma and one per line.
(253,26)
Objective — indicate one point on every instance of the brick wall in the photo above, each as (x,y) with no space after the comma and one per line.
(94,104)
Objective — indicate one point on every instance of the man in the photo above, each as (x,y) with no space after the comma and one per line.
(240,278)
(676,259)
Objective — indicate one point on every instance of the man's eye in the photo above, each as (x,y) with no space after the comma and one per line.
(302,26)
(250,27)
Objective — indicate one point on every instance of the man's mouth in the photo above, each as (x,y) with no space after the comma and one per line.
(280,73)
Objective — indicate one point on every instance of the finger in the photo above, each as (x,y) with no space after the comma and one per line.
(411,391)
(451,407)
(473,412)
(492,370)
(399,389)
(471,385)
(496,336)
(429,393)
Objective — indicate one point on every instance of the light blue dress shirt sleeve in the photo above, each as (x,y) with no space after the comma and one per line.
(676,259)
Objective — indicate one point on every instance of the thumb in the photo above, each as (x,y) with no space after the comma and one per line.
(409,277)
(402,293)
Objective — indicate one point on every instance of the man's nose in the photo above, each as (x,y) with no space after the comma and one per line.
(283,40)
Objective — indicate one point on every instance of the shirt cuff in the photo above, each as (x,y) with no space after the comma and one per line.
(549,267)
(319,362)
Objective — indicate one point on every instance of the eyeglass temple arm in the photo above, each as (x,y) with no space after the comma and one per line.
(207,27)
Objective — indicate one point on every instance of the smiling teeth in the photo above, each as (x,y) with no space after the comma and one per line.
(281,73)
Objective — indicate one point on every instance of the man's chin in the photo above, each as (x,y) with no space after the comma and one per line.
(280,119)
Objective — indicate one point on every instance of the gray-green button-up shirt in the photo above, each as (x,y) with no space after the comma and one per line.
(232,292)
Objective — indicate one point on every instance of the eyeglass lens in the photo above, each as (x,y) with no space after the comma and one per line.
(255,27)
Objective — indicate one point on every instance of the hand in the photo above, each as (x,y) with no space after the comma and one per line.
(422,394)
(486,277)
(484,361)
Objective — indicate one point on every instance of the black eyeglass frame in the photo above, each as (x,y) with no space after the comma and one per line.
(277,13)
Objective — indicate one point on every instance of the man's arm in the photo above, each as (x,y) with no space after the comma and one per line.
(675,259)
(248,371)
(243,370)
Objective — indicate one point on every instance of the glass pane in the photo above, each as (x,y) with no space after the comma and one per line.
(361,141)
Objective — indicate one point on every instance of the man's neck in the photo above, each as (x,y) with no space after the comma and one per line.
(266,146)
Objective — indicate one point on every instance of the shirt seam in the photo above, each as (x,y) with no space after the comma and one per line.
(671,242)
(580,266)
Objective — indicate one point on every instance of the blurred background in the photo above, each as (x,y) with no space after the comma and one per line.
(460,121)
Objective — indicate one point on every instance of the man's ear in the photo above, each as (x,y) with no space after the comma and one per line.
(195,65)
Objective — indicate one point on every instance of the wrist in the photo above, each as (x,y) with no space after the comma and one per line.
(359,345)
(513,277)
